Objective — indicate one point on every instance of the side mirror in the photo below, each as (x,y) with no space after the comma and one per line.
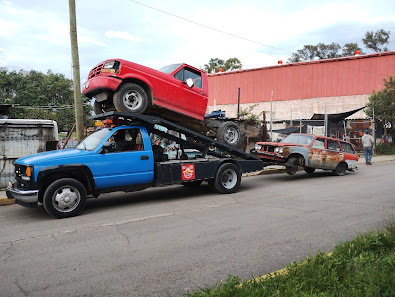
(189,82)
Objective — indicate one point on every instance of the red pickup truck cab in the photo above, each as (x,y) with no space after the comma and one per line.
(177,91)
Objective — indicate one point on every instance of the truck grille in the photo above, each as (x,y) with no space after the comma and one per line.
(20,170)
(96,71)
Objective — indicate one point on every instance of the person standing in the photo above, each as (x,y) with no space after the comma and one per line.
(367,142)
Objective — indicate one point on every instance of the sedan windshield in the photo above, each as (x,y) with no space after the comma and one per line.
(298,139)
(92,141)
(169,69)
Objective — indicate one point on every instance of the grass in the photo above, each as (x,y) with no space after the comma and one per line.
(364,266)
(382,149)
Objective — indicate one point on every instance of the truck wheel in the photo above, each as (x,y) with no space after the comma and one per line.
(340,169)
(292,166)
(64,198)
(131,98)
(227,179)
(230,134)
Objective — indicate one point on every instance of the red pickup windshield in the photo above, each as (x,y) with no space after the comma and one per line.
(169,68)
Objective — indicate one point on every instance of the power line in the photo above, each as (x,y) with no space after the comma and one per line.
(208,27)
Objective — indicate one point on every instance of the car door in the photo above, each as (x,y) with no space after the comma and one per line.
(184,99)
(350,156)
(128,164)
(334,155)
(317,153)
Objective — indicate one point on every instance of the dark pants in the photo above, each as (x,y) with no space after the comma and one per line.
(368,151)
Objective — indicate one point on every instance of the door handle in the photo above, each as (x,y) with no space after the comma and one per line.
(145,157)
(201,92)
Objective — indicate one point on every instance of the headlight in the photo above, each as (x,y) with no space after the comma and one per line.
(109,65)
(278,150)
(28,174)
(258,147)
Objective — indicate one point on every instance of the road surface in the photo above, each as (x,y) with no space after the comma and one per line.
(170,240)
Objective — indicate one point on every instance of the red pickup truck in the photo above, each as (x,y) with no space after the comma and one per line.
(177,92)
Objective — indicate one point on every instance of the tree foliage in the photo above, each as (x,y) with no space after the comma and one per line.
(375,40)
(215,64)
(383,103)
(372,41)
(36,95)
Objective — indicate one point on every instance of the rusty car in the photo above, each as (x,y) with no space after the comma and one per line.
(310,152)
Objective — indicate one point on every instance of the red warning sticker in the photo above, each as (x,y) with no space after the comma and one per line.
(188,171)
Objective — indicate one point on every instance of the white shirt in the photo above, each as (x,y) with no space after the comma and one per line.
(367,140)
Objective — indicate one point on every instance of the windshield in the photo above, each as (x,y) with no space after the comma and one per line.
(298,139)
(169,68)
(92,141)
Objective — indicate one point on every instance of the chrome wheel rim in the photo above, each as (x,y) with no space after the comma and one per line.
(66,199)
(132,100)
(229,178)
(231,135)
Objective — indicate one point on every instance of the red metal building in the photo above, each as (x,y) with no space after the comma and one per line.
(342,83)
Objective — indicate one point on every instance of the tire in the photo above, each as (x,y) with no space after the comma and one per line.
(292,166)
(101,107)
(192,184)
(230,134)
(309,170)
(64,198)
(227,179)
(131,98)
(340,169)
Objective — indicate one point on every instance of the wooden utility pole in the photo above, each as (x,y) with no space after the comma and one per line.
(76,72)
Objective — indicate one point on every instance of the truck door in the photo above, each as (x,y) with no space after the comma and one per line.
(190,101)
(128,162)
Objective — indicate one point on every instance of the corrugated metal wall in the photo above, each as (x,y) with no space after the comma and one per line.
(347,76)
(22,137)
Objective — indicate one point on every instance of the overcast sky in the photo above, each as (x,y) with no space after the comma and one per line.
(34,34)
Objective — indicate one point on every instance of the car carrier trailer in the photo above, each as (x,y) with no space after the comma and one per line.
(120,157)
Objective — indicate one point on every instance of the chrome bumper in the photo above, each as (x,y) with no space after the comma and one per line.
(27,196)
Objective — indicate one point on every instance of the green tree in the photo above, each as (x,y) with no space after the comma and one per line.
(37,95)
(312,52)
(350,48)
(375,40)
(383,103)
(215,64)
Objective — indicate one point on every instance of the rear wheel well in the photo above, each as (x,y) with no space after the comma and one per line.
(49,178)
(142,84)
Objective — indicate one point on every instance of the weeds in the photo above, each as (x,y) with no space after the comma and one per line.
(364,266)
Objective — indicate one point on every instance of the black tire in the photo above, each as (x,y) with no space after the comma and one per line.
(230,134)
(131,98)
(101,107)
(65,197)
(309,170)
(227,179)
(291,167)
(340,169)
(192,184)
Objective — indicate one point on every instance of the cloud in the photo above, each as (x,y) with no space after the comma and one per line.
(86,39)
(122,35)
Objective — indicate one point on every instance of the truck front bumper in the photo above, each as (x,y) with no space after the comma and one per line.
(27,198)
(100,84)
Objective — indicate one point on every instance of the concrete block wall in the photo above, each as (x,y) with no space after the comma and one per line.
(301,108)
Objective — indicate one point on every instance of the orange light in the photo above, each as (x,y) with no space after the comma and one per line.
(108,122)
(99,123)
(29,171)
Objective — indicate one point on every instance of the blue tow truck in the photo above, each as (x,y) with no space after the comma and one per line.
(119,156)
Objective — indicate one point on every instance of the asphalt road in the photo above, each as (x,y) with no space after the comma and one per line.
(169,240)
